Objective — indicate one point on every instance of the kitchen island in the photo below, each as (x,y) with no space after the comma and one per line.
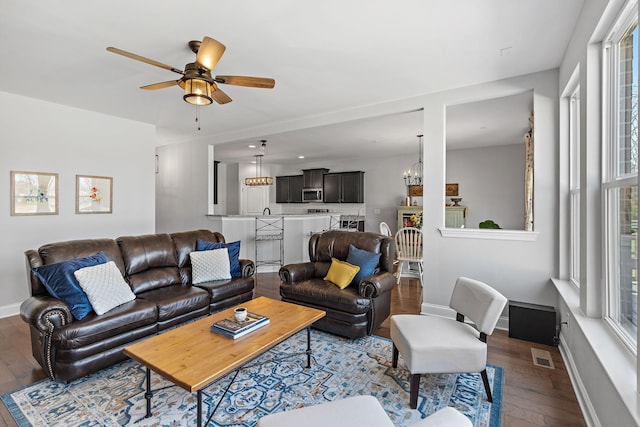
(295,235)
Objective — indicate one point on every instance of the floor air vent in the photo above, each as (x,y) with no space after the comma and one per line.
(542,358)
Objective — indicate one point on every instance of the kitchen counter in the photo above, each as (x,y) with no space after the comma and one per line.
(297,229)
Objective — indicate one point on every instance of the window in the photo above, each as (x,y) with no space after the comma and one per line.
(620,178)
(574,186)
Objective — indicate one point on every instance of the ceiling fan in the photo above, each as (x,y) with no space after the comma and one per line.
(200,88)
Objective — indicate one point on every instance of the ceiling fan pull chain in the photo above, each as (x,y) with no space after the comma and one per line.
(198,116)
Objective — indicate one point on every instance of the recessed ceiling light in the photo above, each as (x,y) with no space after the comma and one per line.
(301,157)
(252,146)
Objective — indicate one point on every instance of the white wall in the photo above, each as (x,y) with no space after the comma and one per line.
(45,137)
(519,269)
(491,183)
(182,188)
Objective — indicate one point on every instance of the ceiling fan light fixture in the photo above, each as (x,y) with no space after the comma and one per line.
(197,92)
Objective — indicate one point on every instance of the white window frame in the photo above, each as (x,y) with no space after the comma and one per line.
(574,186)
(612,179)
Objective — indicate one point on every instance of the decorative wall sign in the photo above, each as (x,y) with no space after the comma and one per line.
(34,193)
(93,194)
(451,190)
(415,190)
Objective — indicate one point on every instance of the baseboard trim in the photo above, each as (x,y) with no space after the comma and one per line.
(9,310)
(588,411)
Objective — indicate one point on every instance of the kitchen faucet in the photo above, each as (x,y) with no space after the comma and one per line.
(266,211)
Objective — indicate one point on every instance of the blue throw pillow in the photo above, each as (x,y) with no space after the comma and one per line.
(61,283)
(367,261)
(234,253)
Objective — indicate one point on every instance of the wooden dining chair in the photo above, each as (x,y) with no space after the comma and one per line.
(409,250)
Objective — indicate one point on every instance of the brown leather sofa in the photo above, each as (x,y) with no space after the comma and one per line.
(355,311)
(157,267)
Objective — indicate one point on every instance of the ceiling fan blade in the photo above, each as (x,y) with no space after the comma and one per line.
(209,53)
(219,96)
(262,82)
(161,85)
(143,59)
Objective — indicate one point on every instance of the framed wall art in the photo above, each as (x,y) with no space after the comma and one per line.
(94,194)
(34,193)
(451,190)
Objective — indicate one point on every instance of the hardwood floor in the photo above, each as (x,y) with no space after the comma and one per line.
(532,395)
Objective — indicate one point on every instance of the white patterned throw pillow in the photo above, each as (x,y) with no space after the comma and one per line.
(210,265)
(105,287)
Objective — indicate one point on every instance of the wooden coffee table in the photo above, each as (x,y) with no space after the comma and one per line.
(193,357)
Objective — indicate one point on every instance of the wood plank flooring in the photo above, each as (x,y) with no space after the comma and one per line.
(532,395)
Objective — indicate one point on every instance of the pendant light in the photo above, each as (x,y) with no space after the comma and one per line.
(413,176)
(259,180)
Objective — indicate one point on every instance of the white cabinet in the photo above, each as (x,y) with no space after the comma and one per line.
(254,200)
(455,216)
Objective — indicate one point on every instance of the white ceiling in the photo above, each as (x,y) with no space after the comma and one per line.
(325,56)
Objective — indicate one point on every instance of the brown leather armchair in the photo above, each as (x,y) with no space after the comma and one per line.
(358,309)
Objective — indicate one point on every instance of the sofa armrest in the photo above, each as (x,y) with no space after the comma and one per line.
(372,286)
(291,273)
(247,267)
(45,313)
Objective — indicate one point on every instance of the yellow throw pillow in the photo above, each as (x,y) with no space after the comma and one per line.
(341,273)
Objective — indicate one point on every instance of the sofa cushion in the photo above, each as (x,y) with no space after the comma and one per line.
(210,265)
(124,319)
(174,301)
(335,244)
(61,283)
(320,293)
(234,253)
(185,243)
(150,261)
(105,287)
(367,261)
(220,290)
(341,273)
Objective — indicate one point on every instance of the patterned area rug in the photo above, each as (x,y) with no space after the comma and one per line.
(276,381)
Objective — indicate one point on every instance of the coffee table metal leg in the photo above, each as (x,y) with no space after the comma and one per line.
(148,395)
(308,346)
(199,416)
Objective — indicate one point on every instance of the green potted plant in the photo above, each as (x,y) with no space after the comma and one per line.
(489,223)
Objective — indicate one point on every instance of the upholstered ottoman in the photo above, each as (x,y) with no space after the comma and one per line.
(356,411)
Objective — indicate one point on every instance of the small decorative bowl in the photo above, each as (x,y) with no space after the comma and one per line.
(456,201)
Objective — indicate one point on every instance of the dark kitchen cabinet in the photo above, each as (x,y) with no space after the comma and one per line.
(289,189)
(313,177)
(344,187)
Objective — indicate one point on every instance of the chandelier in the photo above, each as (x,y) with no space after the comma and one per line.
(413,175)
(259,179)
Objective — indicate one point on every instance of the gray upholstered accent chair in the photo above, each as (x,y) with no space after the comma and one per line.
(433,344)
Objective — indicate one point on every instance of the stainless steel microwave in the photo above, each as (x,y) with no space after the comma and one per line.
(312,194)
